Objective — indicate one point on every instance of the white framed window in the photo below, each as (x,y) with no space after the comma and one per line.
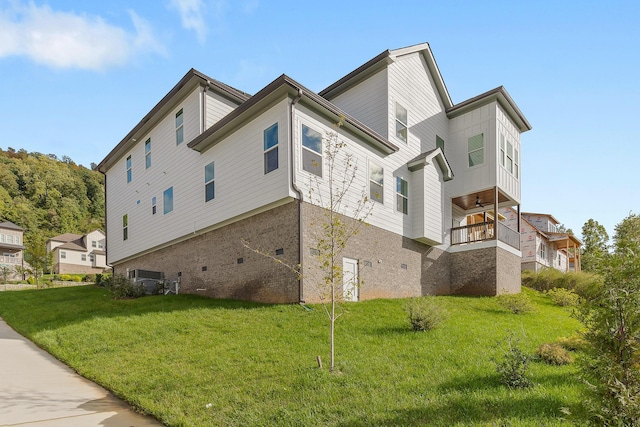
(147,153)
(83,257)
(516,163)
(401,122)
(543,250)
(1,238)
(128,166)
(502,150)
(167,200)
(100,245)
(209,182)
(17,240)
(91,257)
(271,148)
(125,226)
(376,182)
(311,151)
(402,195)
(475,146)
(94,244)
(509,157)
(440,143)
(63,255)
(10,239)
(179,128)
(154,205)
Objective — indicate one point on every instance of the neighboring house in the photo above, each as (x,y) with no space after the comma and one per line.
(543,245)
(81,254)
(11,249)
(210,165)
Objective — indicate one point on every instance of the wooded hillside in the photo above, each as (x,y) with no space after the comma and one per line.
(48,196)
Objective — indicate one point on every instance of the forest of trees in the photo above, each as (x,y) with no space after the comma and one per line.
(48,196)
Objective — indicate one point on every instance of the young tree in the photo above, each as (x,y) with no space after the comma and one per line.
(37,257)
(611,314)
(343,211)
(595,249)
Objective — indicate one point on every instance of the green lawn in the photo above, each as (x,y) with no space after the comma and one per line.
(193,361)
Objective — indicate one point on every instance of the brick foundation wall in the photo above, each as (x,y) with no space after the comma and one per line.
(487,271)
(209,266)
(76,269)
(390,265)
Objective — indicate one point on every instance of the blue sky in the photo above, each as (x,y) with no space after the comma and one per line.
(76,76)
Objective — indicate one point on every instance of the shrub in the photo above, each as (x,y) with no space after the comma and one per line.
(572,343)
(89,278)
(31,280)
(424,313)
(512,367)
(76,278)
(65,277)
(563,297)
(121,288)
(550,278)
(554,354)
(516,303)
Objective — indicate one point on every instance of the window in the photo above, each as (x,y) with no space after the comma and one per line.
(376,182)
(509,157)
(147,154)
(311,151)
(271,149)
(91,257)
(153,205)
(125,226)
(94,244)
(128,164)
(440,143)
(209,182)
(84,257)
(1,238)
(543,250)
(502,149)
(10,239)
(516,162)
(402,195)
(100,245)
(401,122)
(63,255)
(17,240)
(179,128)
(475,146)
(167,200)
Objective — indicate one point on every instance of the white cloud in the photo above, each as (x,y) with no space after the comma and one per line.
(69,40)
(192,16)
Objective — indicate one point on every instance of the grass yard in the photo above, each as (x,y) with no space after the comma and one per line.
(193,361)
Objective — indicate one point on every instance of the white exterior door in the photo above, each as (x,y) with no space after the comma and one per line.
(350,279)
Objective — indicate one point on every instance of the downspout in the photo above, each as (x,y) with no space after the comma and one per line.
(295,188)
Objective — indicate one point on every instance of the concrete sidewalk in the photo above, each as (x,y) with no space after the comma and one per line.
(36,389)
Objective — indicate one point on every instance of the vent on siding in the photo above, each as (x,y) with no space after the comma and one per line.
(240,260)
(403,266)
(279,251)
(367,263)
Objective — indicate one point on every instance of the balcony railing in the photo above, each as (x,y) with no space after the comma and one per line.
(482,231)
(10,260)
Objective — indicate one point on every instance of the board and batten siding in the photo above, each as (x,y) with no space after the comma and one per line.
(479,177)
(240,183)
(509,183)
(367,102)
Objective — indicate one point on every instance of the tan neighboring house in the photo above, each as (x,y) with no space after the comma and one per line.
(542,243)
(11,248)
(75,253)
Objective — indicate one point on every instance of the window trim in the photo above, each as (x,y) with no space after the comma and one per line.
(311,150)
(83,257)
(147,153)
(401,196)
(63,254)
(403,125)
(128,163)
(481,149)
(180,127)
(209,182)
(269,149)
(373,182)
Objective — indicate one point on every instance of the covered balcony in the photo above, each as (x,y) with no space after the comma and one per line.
(483,214)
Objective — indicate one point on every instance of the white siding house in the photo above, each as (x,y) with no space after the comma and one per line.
(226,166)
(76,253)
(11,250)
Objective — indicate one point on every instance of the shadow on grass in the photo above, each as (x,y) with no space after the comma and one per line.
(30,311)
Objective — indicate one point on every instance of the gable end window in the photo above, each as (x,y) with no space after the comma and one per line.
(179,128)
(209,182)
(128,165)
(475,146)
(401,122)
(311,151)
(271,149)
(125,226)
(402,195)
(376,183)
(147,154)
(167,200)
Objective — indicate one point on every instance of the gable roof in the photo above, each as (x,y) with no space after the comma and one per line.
(189,82)
(67,237)
(280,87)
(10,226)
(428,156)
(503,98)
(381,61)
(541,214)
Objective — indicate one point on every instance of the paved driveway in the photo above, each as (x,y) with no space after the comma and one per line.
(38,390)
